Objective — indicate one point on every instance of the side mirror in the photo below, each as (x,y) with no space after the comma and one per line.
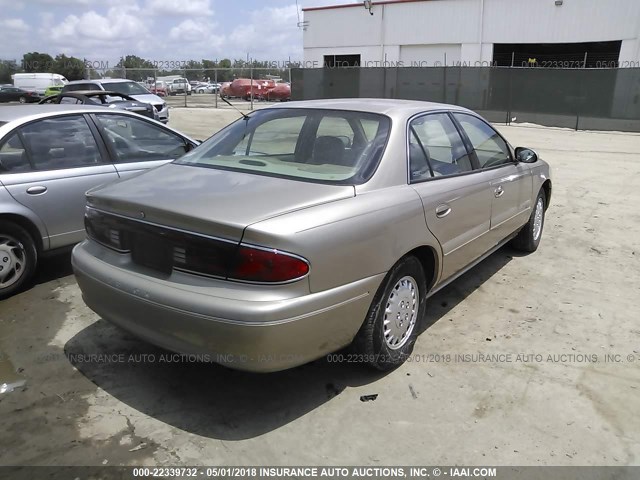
(526,155)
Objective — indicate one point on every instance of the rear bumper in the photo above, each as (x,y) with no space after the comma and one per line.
(246,334)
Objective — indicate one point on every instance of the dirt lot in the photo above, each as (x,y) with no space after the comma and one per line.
(548,396)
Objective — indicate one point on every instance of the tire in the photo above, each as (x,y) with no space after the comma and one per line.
(18,258)
(529,236)
(22,100)
(403,292)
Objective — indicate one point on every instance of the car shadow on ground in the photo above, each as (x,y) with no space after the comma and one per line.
(52,268)
(216,402)
(442,302)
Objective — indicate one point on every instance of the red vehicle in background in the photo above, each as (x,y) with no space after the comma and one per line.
(260,89)
(160,89)
(281,92)
(225,91)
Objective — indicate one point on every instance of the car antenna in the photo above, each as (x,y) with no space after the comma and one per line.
(246,117)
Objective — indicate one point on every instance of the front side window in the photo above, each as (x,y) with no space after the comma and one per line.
(79,87)
(321,145)
(13,156)
(61,142)
(490,148)
(435,148)
(134,140)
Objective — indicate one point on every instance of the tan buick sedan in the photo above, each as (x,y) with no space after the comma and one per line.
(303,228)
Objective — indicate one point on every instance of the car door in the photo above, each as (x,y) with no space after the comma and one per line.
(11,94)
(511,182)
(59,161)
(136,144)
(455,196)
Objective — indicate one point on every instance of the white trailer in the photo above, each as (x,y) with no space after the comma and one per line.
(37,82)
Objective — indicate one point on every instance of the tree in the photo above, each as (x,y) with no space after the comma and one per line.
(7,68)
(69,67)
(225,75)
(136,68)
(208,71)
(35,62)
(193,70)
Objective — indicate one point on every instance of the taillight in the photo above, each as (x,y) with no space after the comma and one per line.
(104,229)
(266,265)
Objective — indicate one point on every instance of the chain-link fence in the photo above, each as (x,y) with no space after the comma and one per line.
(513,87)
(599,99)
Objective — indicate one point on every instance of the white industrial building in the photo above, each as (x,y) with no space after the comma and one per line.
(474,32)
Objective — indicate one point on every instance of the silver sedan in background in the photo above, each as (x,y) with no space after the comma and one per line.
(50,155)
(301,229)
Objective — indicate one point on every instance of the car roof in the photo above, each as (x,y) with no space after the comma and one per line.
(17,112)
(384,106)
(94,93)
(100,80)
(16,115)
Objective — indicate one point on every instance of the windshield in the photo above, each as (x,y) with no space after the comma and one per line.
(127,88)
(320,145)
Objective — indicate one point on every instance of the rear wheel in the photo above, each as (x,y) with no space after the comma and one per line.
(22,100)
(529,237)
(18,258)
(389,332)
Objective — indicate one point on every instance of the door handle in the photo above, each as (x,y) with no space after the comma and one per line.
(443,210)
(498,192)
(37,190)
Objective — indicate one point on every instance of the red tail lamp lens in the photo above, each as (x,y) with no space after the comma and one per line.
(257,265)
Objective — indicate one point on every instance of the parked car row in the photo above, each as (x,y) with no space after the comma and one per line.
(124,87)
(105,99)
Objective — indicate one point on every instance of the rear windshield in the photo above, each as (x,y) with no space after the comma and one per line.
(318,145)
(127,88)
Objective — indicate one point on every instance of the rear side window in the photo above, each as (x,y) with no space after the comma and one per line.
(435,148)
(13,156)
(134,140)
(490,148)
(61,142)
(277,137)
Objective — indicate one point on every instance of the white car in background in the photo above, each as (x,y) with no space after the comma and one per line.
(207,88)
(179,86)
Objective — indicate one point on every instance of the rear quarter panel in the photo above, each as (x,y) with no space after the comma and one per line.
(540,173)
(350,239)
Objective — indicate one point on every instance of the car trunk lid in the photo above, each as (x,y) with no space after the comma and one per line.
(210,201)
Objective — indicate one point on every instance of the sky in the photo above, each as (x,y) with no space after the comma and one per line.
(158,30)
